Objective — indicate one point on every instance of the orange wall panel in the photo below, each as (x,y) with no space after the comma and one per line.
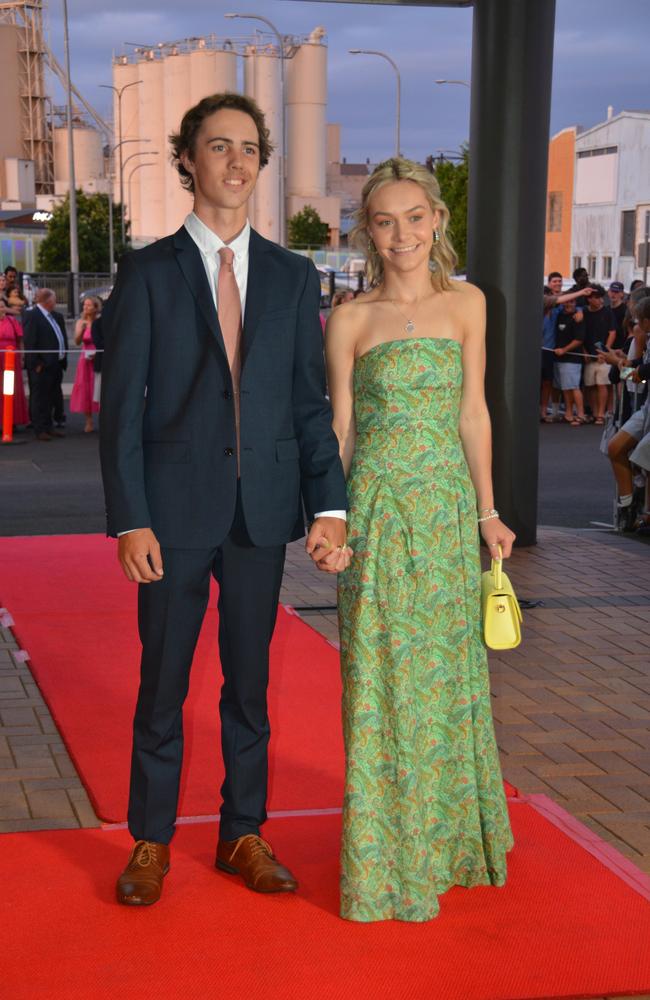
(561,161)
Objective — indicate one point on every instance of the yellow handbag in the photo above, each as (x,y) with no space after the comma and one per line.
(499,608)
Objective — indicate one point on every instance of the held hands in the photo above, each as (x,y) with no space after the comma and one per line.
(326,545)
(494,532)
(139,555)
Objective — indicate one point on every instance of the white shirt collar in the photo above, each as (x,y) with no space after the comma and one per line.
(209,243)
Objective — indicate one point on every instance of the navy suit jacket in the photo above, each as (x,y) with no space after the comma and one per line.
(167,439)
(39,336)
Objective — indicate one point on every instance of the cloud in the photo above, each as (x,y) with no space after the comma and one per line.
(599,59)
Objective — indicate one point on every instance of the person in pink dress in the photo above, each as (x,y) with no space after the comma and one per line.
(81,399)
(11,335)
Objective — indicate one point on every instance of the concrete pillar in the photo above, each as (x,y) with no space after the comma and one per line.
(512,56)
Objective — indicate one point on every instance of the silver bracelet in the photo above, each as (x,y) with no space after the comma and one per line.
(489,517)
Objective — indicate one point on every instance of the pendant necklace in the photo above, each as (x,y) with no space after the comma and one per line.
(410,325)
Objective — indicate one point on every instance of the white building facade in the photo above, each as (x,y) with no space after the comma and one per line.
(611,198)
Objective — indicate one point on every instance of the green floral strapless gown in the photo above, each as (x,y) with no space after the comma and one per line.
(424,805)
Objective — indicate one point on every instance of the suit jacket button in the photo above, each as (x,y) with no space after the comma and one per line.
(229,452)
(227,394)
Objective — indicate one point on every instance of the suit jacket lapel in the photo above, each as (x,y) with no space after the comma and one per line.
(258,289)
(191,264)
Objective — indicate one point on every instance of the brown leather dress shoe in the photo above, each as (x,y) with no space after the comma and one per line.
(140,884)
(253,859)
(43,436)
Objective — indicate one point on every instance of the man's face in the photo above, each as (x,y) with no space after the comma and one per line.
(616,297)
(12,277)
(570,307)
(595,302)
(226,159)
(555,284)
(49,303)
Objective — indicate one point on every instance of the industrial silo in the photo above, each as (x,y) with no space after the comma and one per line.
(262,83)
(306,102)
(211,70)
(151,223)
(88,156)
(176,95)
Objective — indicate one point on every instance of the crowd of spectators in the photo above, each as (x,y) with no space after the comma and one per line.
(595,369)
(595,366)
(38,336)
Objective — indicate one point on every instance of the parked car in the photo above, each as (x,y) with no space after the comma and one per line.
(101,292)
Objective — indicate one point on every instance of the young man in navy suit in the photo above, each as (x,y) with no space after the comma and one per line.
(215,431)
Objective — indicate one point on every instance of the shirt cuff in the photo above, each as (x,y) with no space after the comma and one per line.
(332,513)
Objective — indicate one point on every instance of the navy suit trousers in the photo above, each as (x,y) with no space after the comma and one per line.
(170,615)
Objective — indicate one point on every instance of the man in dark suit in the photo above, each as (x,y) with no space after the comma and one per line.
(215,429)
(45,332)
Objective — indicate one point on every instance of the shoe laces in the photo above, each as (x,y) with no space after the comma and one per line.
(144,854)
(257,845)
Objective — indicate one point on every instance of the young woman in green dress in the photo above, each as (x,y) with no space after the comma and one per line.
(424,804)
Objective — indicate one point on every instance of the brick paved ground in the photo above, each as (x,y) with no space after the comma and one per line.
(571,706)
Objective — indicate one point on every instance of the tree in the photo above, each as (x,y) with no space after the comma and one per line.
(306,229)
(92,225)
(453,178)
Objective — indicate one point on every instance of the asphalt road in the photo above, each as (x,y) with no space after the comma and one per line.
(55,487)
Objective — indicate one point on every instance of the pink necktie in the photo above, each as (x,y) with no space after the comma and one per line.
(229,312)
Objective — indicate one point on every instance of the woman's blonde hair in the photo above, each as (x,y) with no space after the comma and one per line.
(443,255)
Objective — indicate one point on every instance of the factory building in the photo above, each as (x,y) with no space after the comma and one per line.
(173,76)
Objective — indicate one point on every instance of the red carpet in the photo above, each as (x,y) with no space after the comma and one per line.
(75,614)
(563,926)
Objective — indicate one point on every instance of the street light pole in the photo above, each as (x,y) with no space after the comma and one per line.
(74,235)
(111,235)
(281,184)
(111,238)
(384,55)
(142,152)
(135,170)
(119,91)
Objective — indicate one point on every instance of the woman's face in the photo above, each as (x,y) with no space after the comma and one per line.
(3,282)
(401,224)
(88,308)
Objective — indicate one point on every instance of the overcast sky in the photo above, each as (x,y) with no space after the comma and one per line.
(601,58)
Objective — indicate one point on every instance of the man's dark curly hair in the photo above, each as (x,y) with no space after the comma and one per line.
(184,141)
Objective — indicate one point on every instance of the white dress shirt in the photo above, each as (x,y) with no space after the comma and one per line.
(209,245)
(55,326)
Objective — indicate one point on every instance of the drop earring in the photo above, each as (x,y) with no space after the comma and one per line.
(436,236)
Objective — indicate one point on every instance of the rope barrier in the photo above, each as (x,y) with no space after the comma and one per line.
(72,350)
(575,354)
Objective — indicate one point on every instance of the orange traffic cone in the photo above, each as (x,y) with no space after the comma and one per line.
(8,383)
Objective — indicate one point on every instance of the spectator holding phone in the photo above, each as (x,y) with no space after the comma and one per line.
(569,335)
(600,334)
(554,297)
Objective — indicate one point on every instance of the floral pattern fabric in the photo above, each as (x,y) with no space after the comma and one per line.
(424,805)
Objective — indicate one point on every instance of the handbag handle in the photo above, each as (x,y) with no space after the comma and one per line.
(497,569)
